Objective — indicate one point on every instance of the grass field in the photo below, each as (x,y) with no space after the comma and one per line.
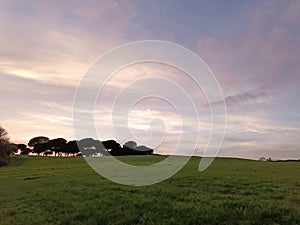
(48,190)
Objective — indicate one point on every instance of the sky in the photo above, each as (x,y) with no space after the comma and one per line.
(252,47)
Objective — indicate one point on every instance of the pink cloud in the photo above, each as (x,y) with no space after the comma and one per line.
(113,16)
(57,40)
(267,55)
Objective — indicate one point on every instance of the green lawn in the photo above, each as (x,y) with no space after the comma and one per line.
(48,190)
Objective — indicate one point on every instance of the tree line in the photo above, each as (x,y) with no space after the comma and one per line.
(88,147)
(85,147)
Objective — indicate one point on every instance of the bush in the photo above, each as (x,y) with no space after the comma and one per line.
(5,147)
(5,150)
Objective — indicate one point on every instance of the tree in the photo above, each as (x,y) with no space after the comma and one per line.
(6,148)
(39,144)
(131,144)
(144,150)
(71,148)
(14,147)
(40,147)
(21,146)
(23,149)
(113,147)
(91,147)
(38,140)
(86,146)
(3,135)
(57,145)
(26,151)
(100,149)
(131,148)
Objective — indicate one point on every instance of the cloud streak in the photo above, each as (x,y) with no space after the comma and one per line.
(254,50)
(267,53)
(242,100)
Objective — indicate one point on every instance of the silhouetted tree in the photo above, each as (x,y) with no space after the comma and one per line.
(71,148)
(57,145)
(3,135)
(26,151)
(6,148)
(21,146)
(14,147)
(130,144)
(39,144)
(100,148)
(131,148)
(113,147)
(86,146)
(144,150)
(40,148)
(91,147)
(23,149)
(38,140)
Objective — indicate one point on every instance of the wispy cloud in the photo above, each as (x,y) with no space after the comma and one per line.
(252,48)
(265,56)
(55,48)
(248,98)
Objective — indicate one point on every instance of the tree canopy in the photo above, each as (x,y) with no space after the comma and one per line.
(87,147)
(38,140)
(3,134)
(84,147)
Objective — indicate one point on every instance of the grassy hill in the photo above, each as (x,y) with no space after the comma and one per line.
(48,190)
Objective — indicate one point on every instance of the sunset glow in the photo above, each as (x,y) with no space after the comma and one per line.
(253,48)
